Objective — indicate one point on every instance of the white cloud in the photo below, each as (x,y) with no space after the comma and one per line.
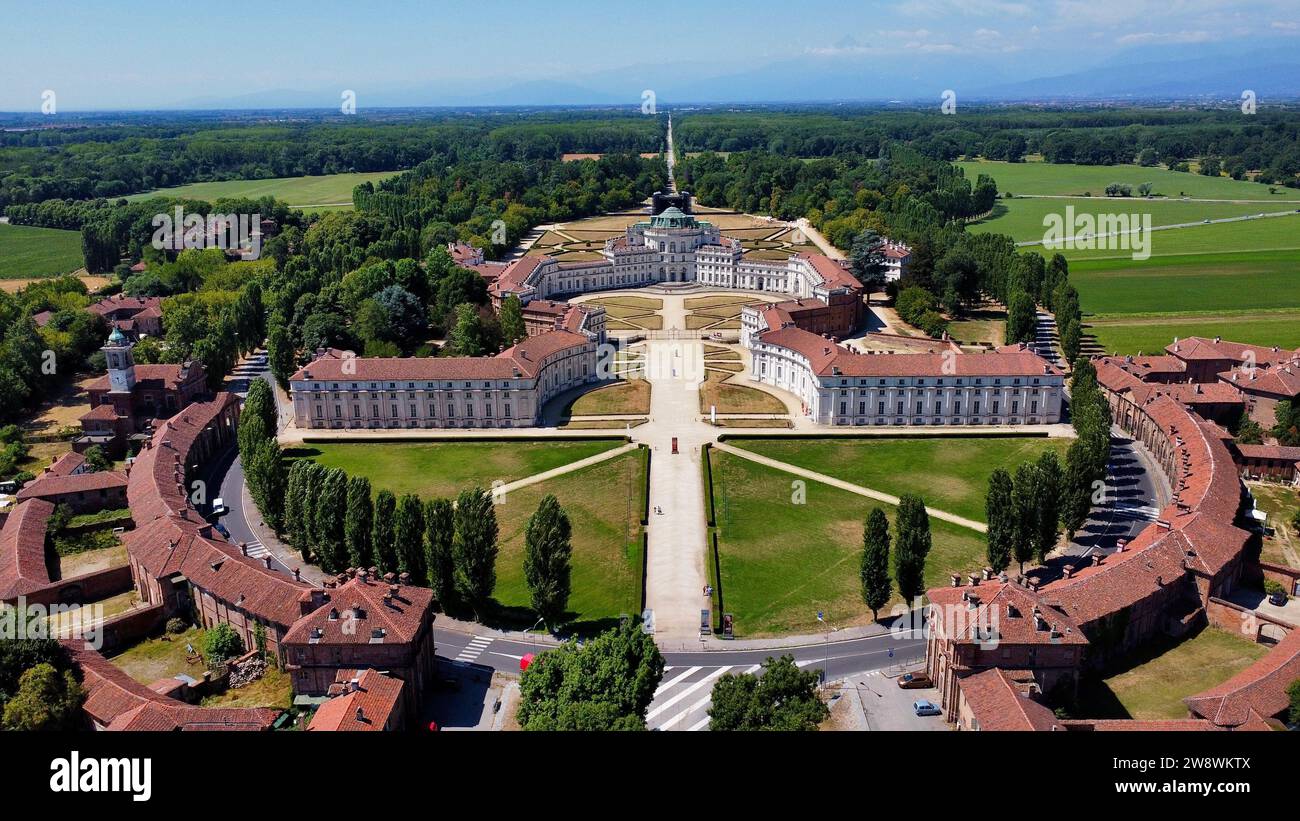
(1164,37)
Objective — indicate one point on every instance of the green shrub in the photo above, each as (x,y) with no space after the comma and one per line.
(175,625)
(221,643)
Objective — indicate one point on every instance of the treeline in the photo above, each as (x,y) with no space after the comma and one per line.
(1267,142)
(35,361)
(1027,509)
(337,522)
(144,152)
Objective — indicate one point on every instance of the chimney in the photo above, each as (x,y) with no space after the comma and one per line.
(974,579)
(361,714)
(267,559)
(389,578)
(297,575)
(243,548)
(987,573)
(354,684)
(1067,571)
(956,580)
(404,578)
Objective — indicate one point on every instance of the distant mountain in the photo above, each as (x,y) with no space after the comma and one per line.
(848,71)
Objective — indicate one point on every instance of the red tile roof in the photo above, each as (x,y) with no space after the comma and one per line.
(1282,381)
(1019,615)
(1259,689)
(366,708)
(375,614)
(66,465)
(1198,347)
(1279,452)
(999,705)
(833,274)
(826,358)
(22,549)
(158,377)
(47,486)
(520,361)
(118,702)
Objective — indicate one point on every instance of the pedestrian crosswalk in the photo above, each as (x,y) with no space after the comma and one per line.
(682,700)
(257,550)
(1141,512)
(474,649)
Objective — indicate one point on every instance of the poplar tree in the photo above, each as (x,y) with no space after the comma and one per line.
(474,548)
(358,522)
(876,586)
(331,507)
(408,536)
(1001,520)
(381,535)
(911,546)
(548,553)
(1024,495)
(438,564)
(1047,504)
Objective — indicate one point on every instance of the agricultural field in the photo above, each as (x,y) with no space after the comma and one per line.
(1022,219)
(333,191)
(432,469)
(28,253)
(950,473)
(783,562)
(1041,178)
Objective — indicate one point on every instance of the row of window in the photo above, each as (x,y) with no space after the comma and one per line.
(994,408)
(413,410)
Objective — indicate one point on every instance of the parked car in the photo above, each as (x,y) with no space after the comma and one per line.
(219,507)
(926,708)
(1277,598)
(914,681)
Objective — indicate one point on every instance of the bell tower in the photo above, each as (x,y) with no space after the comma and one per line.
(121,364)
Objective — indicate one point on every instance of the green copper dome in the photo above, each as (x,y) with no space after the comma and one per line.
(672,217)
(117,337)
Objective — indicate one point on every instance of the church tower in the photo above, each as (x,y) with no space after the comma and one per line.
(121,364)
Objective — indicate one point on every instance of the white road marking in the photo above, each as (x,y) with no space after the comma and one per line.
(684,693)
(666,684)
(474,649)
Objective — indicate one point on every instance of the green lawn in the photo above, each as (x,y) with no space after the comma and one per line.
(1054,178)
(1280,502)
(432,469)
(783,562)
(1272,234)
(1154,687)
(734,396)
(1195,282)
(950,473)
(38,252)
(295,191)
(629,396)
(1022,219)
(607,543)
(1150,334)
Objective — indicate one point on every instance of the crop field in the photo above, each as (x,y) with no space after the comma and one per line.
(1022,219)
(32,253)
(333,191)
(1040,178)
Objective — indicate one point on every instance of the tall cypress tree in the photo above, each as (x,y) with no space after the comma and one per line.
(911,546)
(1047,504)
(358,522)
(381,535)
(1001,520)
(313,484)
(1024,495)
(267,465)
(438,534)
(408,534)
(293,506)
(548,553)
(331,508)
(474,548)
(876,587)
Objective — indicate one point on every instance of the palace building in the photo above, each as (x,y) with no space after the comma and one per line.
(503,391)
(842,386)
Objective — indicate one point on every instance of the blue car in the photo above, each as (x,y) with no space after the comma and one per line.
(926,708)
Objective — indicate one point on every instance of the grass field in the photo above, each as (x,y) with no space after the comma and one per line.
(27,252)
(631,396)
(1052,178)
(607,549)
(1271,234)
(1150,334)
(433,469)
(733,397)
(296,191)
(1280,502)
(1195,282)
(1022,219)
(1154,687)
(783,562)
(950,473)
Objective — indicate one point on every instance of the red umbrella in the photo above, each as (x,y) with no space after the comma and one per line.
(526,660)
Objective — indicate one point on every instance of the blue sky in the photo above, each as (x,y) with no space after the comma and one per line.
(115,54)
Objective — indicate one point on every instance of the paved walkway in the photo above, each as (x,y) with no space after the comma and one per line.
(563,469)
(848,486)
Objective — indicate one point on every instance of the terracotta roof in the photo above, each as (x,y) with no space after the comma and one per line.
(46,485)
(523,360)
(1199,347)
(826,358)
(66,465)
(1260,688)
(1198,393)
(164,377)
(1129,725)
(1282,381)
(1020,615)
(154,483)
(365,708)
(374,615)
(833,274)
(22,549)
(1285,454)
(119,702)
(999,705)
(124,304)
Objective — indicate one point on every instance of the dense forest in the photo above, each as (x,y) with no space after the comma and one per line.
(1265,145)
